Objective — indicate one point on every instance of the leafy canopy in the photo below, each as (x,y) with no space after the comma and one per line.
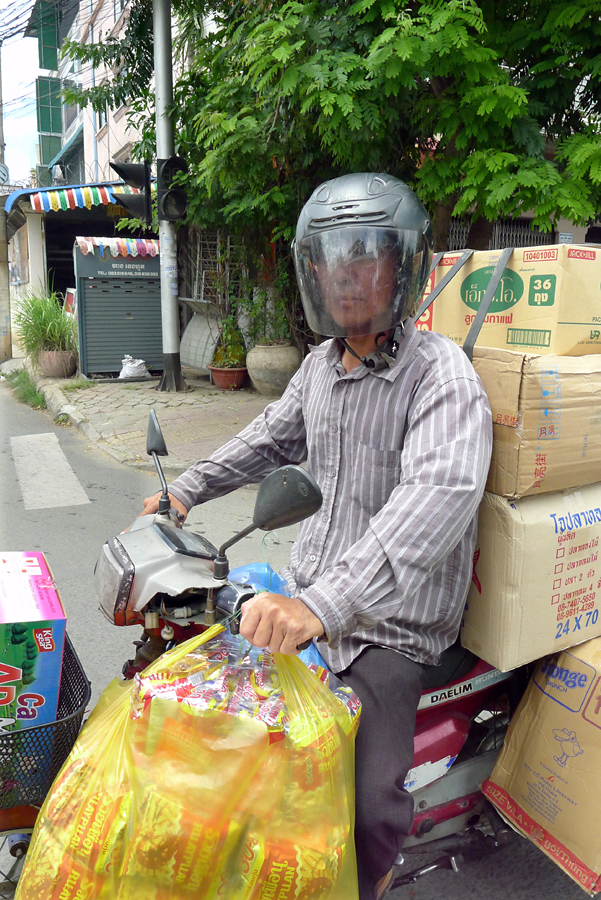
(487,109)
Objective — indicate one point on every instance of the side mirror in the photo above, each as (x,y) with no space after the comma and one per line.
(155,442)
(285,497)
(155,447)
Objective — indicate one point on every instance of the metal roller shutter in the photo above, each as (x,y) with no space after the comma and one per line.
(120,316)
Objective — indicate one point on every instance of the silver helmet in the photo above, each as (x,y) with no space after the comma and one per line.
(362,254)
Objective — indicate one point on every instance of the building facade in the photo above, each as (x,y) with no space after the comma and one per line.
(76,145)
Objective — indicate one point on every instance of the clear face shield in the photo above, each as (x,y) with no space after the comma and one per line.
(360,280)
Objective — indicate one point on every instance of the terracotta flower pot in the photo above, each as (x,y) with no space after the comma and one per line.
(228,379)
(57,363)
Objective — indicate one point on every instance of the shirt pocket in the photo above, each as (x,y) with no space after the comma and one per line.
(377,473)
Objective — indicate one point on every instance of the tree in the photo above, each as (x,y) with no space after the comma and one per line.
(486,109)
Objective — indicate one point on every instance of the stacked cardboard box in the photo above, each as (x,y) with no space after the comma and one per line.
(548,300)
(536,587)
(547,780)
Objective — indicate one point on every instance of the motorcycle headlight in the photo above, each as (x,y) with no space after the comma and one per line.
(113,576)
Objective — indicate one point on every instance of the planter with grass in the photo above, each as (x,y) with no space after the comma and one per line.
(47,334)
(228,369)
(273,359)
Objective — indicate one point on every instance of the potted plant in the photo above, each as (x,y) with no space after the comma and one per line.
(228,369)
(47,334)
(273,359)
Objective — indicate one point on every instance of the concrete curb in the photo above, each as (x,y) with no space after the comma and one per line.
(58,405)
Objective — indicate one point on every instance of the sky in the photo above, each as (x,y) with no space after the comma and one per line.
(19,71)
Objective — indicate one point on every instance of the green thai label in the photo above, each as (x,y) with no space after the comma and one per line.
(542,290)
(528,337)
(509,290)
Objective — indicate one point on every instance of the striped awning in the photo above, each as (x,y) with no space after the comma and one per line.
(117,246)
(83,196)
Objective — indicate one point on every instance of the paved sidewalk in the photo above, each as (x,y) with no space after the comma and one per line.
(115,415)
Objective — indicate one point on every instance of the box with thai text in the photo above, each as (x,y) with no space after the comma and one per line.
(548,300)
(546,413)
(536,585)
(32,634)
(547,780)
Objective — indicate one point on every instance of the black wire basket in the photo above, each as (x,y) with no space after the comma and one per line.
(31,759)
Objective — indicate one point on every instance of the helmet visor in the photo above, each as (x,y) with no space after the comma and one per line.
(360,280)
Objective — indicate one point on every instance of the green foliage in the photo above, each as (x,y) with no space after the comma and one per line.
(230,352)
(78,384)
(43,324)
(130,59)
(25,390)
(268,317)
(268,308)
(487,109)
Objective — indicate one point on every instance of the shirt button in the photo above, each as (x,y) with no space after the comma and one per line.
(331,472)
(324,517)
(312,557)
(333,429)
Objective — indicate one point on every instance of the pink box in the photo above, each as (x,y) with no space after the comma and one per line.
(32,636)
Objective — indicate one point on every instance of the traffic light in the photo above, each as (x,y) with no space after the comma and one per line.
(172,200)
(137,175)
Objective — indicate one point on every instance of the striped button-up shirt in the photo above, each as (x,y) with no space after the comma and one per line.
(401,454)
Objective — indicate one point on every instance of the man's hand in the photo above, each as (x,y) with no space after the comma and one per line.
(278,622)
(151,505)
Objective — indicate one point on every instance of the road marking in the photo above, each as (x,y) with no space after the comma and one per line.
(45,477)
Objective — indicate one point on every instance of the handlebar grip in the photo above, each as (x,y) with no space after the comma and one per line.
(322,639)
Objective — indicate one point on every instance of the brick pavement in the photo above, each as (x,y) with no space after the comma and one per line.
(115,416)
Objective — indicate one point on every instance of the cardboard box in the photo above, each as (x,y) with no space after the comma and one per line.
(547,780)
(548,300)
(32,634)
(546,413)
(536,587)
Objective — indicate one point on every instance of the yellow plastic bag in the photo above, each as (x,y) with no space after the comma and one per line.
(223,771)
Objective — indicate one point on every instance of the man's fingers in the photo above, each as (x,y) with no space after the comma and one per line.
(278,622)
(289,646)
(253,625)
(151,505)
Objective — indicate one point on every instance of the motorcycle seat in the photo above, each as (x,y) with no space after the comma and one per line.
(455,663)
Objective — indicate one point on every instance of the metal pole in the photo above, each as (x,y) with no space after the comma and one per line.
(1,112)
(172,379)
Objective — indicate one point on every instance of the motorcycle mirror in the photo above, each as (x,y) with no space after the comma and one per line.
(285,497)
(155,447)
(155,442)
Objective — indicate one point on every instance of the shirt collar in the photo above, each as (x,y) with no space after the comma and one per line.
(331,352)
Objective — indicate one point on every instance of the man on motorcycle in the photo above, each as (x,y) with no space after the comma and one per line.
(395,427)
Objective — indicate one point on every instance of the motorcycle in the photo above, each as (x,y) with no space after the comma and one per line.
(175,584)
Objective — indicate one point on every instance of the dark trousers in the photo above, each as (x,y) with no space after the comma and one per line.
(389,687)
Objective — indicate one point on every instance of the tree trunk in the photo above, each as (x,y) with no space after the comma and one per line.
(480,234)
(441,225)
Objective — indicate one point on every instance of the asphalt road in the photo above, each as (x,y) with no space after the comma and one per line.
(71,537)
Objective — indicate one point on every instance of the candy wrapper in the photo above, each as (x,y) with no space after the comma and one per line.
(223,772)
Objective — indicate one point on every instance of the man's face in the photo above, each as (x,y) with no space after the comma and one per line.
(358,294)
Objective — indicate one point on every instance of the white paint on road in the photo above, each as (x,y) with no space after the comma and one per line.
(45,477)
